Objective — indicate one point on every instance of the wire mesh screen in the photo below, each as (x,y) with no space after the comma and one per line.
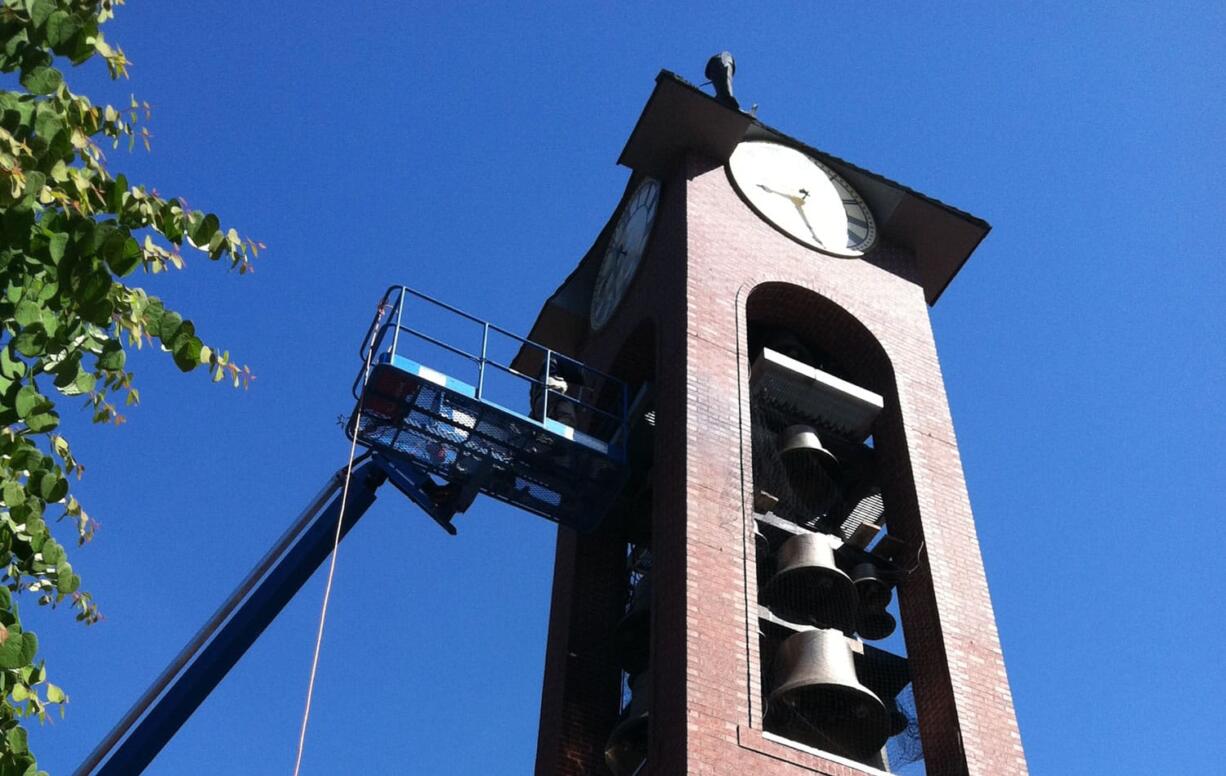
(835,672)
(813,477)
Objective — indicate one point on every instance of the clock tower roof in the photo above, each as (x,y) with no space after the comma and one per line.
(680,118)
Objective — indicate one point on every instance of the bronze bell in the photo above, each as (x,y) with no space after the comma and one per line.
(872,620)
(874,591)
(874,624)
(808,587)
(808,466)
(631,636)
(801,443)
(820,700)
(626,748)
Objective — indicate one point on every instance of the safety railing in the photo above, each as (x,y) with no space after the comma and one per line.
(599,404)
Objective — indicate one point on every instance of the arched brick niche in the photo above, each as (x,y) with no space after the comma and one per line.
(851,351)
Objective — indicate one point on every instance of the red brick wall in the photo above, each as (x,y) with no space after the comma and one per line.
(697,285)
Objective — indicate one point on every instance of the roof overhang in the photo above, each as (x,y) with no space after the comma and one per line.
(679,118)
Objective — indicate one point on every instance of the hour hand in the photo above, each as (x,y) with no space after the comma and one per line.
(795,199)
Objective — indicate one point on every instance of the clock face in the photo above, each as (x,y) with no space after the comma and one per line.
(625,249)
(802,197)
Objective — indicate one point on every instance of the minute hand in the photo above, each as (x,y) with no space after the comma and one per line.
(800,209)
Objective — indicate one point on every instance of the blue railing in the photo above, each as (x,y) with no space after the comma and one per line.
(602,401)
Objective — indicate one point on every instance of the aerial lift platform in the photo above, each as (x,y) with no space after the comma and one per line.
(444,417)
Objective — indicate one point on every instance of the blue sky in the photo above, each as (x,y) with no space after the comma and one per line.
(469,150)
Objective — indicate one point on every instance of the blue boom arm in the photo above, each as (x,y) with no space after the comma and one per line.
(259,598)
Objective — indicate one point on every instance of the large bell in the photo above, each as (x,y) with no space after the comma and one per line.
(818,699)
(631,636)
(808,587)
(626,748)
(808,466)
(874,591)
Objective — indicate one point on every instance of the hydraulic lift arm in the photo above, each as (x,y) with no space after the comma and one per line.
(159,713)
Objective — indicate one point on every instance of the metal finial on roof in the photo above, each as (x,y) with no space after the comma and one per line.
(720,69)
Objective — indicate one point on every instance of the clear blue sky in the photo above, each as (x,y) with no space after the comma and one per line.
(471,152)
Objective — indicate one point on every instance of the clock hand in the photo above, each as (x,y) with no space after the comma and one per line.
(805,218)
(794,199)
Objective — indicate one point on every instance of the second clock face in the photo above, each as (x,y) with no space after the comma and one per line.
(802,197)
(625,249)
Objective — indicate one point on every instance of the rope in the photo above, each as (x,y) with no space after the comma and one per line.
(336,540)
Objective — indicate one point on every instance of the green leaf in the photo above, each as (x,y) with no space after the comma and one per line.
(30,401)
(41,11)
(84,383)
(112,357)
(27,459)
(168,326)
(95,285)
(27,312)
(98,313)
(10,366)
(60,29)
(14,494)
(35,181)
(56,244)
(43,422)
(52,487)
(31,341)
(54,695)
(48,122)
(187,353)
(203,231)
(43,79)
(172,221)
(15,738)
(113,252)
(53,554)
(185,332)
(128,258)
(18,649)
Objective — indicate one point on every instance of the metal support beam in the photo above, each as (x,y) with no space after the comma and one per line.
(208,657)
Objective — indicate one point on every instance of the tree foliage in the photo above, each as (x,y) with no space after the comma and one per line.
(71,232)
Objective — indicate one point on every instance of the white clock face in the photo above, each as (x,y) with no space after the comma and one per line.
(802,197)
(625,250)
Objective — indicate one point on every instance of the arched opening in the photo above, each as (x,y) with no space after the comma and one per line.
(832,496)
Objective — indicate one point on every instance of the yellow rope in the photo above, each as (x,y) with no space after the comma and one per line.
(336,540)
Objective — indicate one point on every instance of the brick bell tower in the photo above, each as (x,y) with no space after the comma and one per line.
(790,582)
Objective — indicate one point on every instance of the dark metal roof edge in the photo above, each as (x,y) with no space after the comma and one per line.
(987,228)
(601,237)
(974,219)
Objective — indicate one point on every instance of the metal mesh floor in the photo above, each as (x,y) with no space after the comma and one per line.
(457,437)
